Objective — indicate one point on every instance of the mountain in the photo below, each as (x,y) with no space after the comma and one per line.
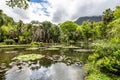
(90,18)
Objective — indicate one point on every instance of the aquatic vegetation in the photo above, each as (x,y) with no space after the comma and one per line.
(28,57)
(52,48)
(57,46)
(71,47)
(32,48)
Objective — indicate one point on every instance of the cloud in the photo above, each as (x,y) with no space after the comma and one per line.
(36,11)
(72,9)
(58,11)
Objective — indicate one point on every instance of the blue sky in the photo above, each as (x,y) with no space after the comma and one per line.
(58,11)
(38,1)
(42,2)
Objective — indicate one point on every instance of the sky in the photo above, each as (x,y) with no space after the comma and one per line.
(58,11)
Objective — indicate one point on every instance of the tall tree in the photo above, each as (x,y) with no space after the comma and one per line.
(54,33)
(117,12)
(107,16)
(68,30)
(88,32)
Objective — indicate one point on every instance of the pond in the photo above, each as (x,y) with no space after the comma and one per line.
(63,64)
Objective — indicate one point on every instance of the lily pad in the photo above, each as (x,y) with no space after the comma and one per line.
(52,48)
(71,47)
(32,48)
(57,46)
(28,57)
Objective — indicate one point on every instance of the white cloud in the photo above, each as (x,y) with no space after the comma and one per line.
(59,10)
(72,9)
(34,12)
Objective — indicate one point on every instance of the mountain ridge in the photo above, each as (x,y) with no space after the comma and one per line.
(80,20)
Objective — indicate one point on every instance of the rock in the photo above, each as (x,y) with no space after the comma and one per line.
(1,71)
(3,65)
(12,64)
(79,63)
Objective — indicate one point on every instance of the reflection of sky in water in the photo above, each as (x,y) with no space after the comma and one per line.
(58,71)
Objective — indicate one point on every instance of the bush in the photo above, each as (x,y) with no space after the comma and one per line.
(107,57)
(72,42)
(36,44)
(94,74)
(9,41)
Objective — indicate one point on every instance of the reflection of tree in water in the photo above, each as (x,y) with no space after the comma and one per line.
(45,62)
(75,55)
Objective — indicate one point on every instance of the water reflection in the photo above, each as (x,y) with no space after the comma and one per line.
(57,71)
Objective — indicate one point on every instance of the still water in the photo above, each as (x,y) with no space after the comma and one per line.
(42,69)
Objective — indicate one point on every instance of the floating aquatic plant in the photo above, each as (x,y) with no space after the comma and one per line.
(28,57)
(52,48)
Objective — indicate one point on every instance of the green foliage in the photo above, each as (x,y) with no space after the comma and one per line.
(9,41)
(68,26)
(107,52)
(19,3)
(68,30)
(107,56)
(107,16)
(87,29)
(34,43)
(114,29)
(89,32)
(94,73)
(117,12)
(54,33)
(112,63)
(5,31)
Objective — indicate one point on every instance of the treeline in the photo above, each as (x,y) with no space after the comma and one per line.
(48,32)
(67,32)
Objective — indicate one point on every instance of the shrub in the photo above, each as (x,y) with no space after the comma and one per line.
(36,44)
(107,57)
(9,41)
(71,41)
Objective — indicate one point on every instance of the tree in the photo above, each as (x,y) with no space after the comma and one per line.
(107,16)
(114,30)
(68,30)
(54,33)
(18,3)
(78,33)
(88,32)
(46,25)
(117,12)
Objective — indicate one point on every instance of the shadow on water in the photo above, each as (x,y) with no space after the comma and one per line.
(56,65)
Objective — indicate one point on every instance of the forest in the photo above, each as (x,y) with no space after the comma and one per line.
(103,37)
